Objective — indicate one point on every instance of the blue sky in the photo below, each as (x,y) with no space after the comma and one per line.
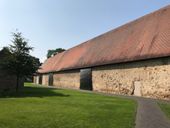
(50,24)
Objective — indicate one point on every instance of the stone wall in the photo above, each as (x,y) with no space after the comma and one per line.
(8,82)
(149,78)
(36,79)
(45,78)
(67,79)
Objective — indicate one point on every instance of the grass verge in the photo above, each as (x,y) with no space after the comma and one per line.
(40,107)
(166,108)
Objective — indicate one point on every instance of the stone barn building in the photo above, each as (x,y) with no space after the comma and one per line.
(133,59)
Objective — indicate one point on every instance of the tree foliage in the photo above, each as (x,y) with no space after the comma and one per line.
(5,55)
(54,52)
(17,59)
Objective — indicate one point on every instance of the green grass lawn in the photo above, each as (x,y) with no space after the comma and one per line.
(38,107)
(165,108)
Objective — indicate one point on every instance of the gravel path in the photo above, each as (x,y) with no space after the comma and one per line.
(149,115)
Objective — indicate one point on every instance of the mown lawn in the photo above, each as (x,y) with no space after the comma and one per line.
(38,107)
(165,108)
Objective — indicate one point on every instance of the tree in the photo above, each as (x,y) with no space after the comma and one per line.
(19,62)
(4,53)
(4,56)
(54,52)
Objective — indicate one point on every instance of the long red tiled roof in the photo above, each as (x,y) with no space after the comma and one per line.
(145,38)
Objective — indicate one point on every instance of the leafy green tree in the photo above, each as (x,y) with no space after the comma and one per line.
(19,62)
(54,52)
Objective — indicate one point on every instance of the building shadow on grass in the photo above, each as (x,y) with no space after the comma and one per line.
(32,92)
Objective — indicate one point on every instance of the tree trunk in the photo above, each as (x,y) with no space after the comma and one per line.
(17,85)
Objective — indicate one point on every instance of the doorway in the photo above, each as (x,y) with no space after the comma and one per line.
(50,80)
(137,88)
(40,79)
(86,79)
